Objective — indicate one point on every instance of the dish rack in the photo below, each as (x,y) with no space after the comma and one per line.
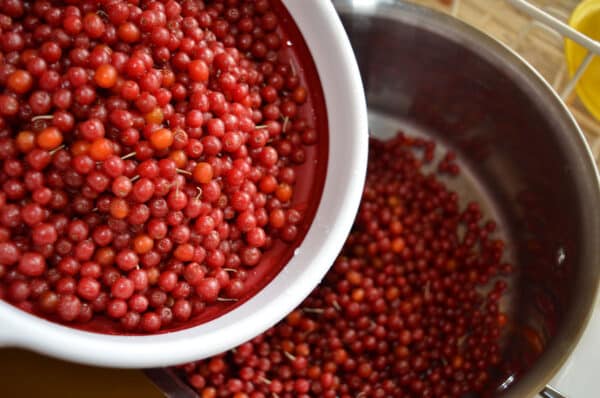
(535,41)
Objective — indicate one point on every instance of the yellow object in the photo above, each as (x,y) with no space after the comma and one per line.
(25,374)
(586,19)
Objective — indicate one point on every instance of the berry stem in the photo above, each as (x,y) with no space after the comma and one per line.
(227,299)
(42,117)
(181,171)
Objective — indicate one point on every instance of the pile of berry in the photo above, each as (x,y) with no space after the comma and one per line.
(402,312)
(148,155)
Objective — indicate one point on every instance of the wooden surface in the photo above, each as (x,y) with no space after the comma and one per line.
(25,374)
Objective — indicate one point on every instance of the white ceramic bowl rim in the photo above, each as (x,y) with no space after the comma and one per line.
(347,160)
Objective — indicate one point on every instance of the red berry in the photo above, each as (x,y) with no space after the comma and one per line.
(32,264)
(198,71)
(208,289)
(68,307)
(44,234)
(9,253)
(88,288)
(123,288)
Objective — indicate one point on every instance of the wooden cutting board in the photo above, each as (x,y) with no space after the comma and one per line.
(26,374)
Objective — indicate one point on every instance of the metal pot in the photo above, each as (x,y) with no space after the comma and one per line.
(524,156)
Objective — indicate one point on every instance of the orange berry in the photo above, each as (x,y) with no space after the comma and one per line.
(161,139)
(179,157)
(451,265)
(396,227)
(358,295)
(203,173)
(302,349)
(314,372)
(49,138)
(502,319)
(284,192)
(168,78)
(277,218)
(392,293)
(287,346)
(398,245)
(209,392)
(25,141)
(81,147)
(20,81)
(142,244)
(354,277)
(155,116)
(299,95)
(457,361)
(106,76)
(119,208)
(105,256)
(101,149)
(393,201)
(184,252)
(294,318)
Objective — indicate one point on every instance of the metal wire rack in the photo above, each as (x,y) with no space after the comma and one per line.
(537,42)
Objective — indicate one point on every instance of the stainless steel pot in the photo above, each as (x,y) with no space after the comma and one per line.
(524,153)
(523,156)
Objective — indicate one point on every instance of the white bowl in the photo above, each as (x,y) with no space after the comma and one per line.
(347,161)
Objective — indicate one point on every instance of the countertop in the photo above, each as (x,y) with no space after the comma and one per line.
(26,374)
